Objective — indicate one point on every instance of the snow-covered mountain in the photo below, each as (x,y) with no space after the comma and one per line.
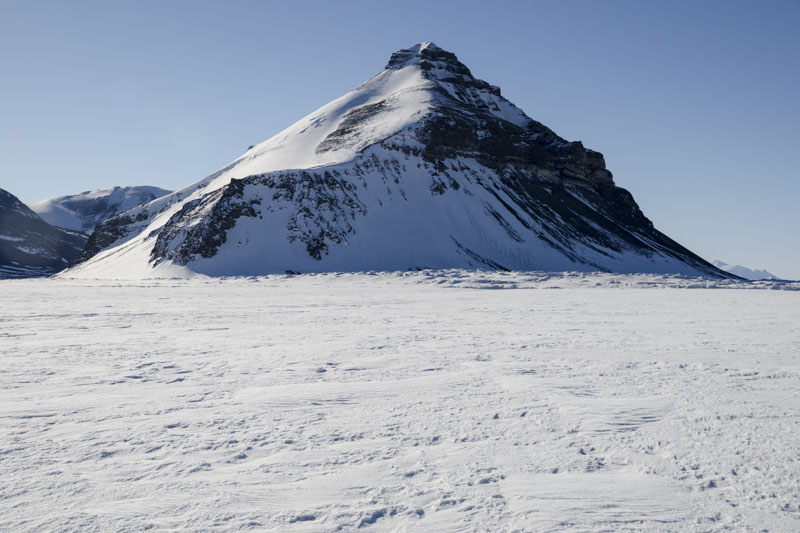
(744,272)
(83,211)
(422,166)
(29,246)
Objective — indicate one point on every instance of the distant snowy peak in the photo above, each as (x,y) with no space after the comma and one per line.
(421,166)
(29,246)
(82,212)
(744,272)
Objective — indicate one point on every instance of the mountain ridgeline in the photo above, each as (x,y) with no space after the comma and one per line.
(422,166)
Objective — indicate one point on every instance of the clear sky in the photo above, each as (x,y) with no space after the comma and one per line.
(693,103)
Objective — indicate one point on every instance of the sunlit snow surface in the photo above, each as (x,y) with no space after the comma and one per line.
(421,402)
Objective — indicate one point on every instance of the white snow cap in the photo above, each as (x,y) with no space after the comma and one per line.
(425,45)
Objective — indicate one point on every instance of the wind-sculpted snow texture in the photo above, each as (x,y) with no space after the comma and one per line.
(422,166)
(431,401)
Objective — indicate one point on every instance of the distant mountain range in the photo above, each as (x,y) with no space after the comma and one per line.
(422,166)
(42,244)
(29,246)
(82,212)
(744,272)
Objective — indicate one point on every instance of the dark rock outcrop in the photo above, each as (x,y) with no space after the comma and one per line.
(29,246)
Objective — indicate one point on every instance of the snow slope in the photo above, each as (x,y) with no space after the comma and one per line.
(83,211)
(744,272)
(422,166)
(451,401)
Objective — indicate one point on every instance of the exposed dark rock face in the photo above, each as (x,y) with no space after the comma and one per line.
(29,246)
(464,123)
(319,205)
(110,231)
(225,206)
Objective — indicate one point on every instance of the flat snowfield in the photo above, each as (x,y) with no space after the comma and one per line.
(422,402)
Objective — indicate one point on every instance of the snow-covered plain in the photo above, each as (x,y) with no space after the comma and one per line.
(449,401)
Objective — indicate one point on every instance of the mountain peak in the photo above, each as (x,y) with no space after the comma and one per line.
(422,54)
(425,45)
(421,166)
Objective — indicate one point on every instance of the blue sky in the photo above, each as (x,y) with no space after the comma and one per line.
(694,104)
